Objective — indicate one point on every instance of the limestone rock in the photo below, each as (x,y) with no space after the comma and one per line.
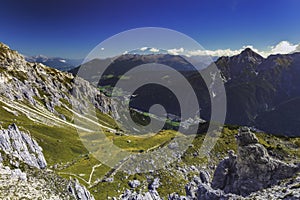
(252,169)
(176,196)
(129,195)
(251,174)
(79,191)
(134,183)
(155,184)
(204,176)
(34,183)
(22,146)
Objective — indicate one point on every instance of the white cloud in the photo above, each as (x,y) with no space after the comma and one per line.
(218,52)
(284,47)
(102,49)
(175,51)
(154,50)
(297,48)
(143,48)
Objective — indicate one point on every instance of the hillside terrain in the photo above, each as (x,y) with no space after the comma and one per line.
(41,111)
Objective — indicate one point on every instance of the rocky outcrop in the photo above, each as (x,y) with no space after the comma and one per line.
(22,173)
(10,58)
(152,193)
(22,146)
(16,184)
(288,189)
(251,174)
(252,169)
(33,183)
(79,191)
(134,183)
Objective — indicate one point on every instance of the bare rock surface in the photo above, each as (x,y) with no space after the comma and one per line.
(21,145)
(150,195)
(252,169)
(79,191)
(23,174)
(251,174)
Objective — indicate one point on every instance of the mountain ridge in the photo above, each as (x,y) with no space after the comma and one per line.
(255,85)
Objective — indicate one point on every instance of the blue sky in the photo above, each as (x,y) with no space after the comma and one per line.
(73,28)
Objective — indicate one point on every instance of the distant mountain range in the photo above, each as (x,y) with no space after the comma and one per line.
(63,64)
(261,92)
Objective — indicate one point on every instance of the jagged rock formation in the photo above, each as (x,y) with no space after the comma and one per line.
(134,183)
(32,183)
(79,191)
(22,146)
(23,173)
(252,169)
(251,174)
(152,193)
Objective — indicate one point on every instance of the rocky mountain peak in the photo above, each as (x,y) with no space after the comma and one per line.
(44,87)
(3,46)
(241,66)
(249,52)
(251,56)
(10,59)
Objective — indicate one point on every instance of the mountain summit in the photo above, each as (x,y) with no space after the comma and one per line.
(250,53)
(241,65)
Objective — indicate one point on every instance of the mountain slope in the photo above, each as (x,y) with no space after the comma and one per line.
(39,101)
(256,93)
(244,65)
